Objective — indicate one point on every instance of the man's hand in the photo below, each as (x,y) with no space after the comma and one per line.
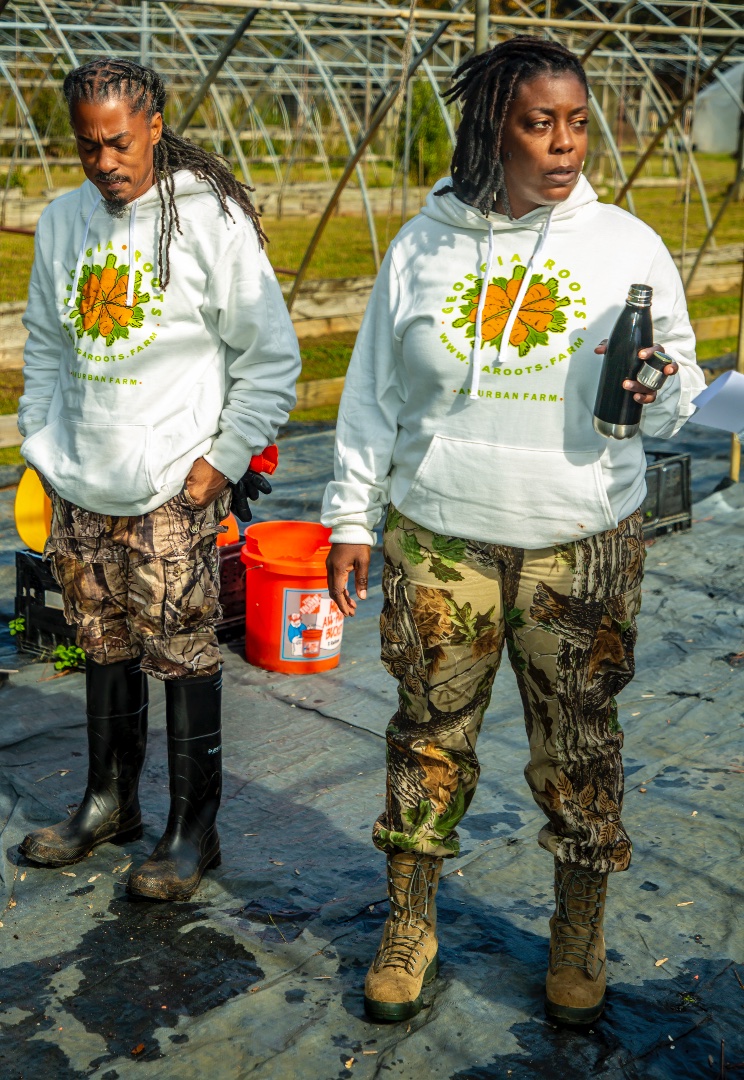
(204,483)
(640,392)
(342,560)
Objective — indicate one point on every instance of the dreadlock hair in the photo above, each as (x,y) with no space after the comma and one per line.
(487,85)
(105,77)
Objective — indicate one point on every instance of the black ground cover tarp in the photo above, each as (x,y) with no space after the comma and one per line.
(261,974)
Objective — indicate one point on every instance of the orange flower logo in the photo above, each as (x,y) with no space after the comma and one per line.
(538,314)
(102,309)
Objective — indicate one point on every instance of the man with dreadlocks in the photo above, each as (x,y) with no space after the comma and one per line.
(160,360)
(468,409)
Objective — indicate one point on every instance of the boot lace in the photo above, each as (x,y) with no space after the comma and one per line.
(408,926)
(578,918)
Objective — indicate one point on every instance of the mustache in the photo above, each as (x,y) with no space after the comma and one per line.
(109,178)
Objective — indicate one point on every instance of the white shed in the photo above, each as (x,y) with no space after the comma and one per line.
(715,129)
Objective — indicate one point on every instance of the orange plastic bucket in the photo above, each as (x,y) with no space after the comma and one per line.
(291,623)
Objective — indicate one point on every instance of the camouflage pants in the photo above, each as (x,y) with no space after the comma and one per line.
(567,616)
(146,585)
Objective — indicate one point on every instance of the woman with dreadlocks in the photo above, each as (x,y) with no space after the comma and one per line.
(468,410)
(160,360)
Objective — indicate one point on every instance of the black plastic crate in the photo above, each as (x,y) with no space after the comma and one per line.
(668,503)
(39,602)
(232,593)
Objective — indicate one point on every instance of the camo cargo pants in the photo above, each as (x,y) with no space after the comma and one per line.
(146,585)
(567,616)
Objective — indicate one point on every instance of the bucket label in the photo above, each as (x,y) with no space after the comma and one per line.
(313,626)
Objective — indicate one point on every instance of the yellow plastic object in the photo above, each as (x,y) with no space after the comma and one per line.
(33,512)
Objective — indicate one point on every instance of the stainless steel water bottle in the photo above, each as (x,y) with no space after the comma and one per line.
(617,415)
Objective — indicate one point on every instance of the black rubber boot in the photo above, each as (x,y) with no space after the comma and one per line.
(190,844)
(116,700)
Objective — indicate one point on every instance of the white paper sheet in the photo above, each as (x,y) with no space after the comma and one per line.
(721,405)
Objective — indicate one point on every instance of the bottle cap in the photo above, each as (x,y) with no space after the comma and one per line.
(640,295)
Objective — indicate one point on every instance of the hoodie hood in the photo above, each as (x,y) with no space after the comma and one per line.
(184,182)
(450,210)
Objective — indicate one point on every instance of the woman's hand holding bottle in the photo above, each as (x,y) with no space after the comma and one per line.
(641,393)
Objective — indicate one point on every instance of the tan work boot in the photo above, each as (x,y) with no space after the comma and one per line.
(407,957)
(575,986)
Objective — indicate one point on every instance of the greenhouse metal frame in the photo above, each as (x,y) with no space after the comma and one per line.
(259,81)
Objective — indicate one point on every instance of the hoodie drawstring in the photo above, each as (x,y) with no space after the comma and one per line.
(523,288)
(79,264)
(477,339)
(513,314)
(130,283)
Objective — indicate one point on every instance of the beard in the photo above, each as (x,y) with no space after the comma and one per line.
(115,206)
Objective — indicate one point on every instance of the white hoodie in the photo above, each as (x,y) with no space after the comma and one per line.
(502,450)
(126,385)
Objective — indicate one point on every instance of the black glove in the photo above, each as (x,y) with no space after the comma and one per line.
(250,485)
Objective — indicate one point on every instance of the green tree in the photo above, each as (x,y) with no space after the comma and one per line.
(431,149)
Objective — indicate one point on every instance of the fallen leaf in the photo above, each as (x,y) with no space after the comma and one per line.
(635,714)
(68,873)
(408,1029)
(254,989)
(11,903)
(371,907)
(125,868)
(23,876)
(694,813)
(318,978)
(459,873)
(685,903)
(643,790)
(250,834)
(349,1063)
(662,961)
(276,862)
(94,878)
(366,1052)
(297,872)
(2,924)
(138,1049)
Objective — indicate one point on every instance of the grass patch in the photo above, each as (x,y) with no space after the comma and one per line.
(709,350)
(11,388)
(16,256)
(326,357)
(705,306)
(11,455)
(314,416)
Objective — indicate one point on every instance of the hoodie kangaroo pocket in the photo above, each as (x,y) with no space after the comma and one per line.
(509,495)
(94,464)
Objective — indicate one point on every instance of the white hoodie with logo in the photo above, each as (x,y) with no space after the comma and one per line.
(470,409)
(127,384)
